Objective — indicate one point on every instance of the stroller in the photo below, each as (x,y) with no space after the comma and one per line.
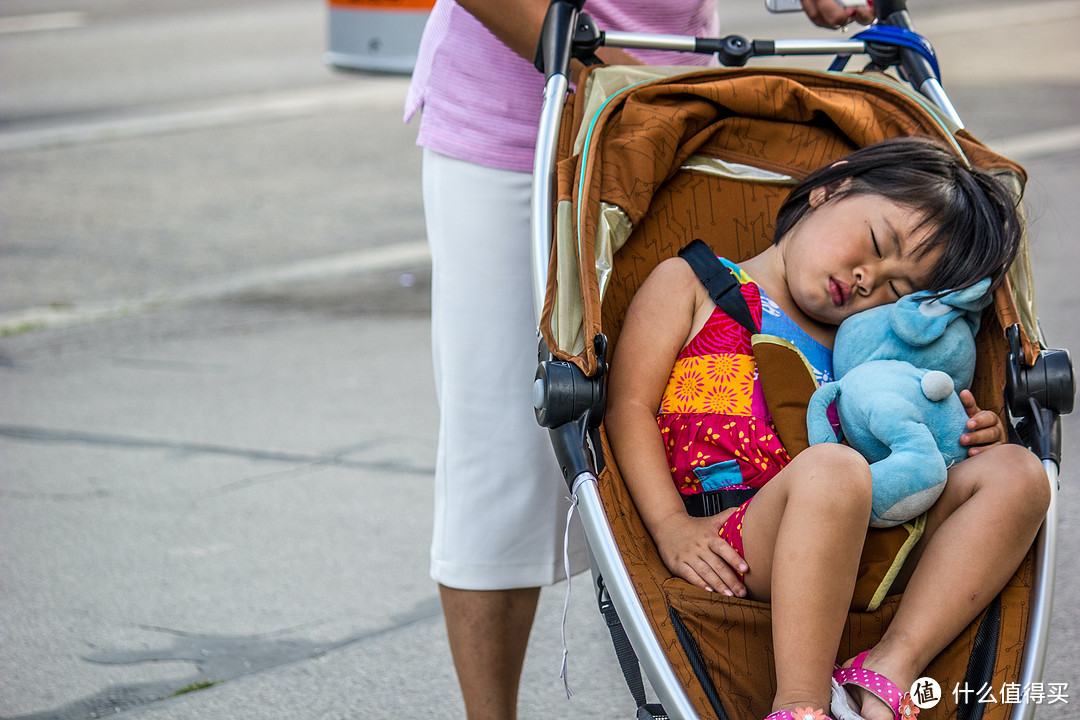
(604,217)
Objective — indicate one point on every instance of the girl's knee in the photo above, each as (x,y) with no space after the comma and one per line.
(836,459)
(834,476)
(1027,474)
(1009,470)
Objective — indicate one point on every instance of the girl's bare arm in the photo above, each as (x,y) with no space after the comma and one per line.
(657,325)
(655,329)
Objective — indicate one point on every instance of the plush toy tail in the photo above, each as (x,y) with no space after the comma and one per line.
(818,427)
(936,385)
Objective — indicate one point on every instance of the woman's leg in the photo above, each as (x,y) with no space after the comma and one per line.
(803,535)
(488,633)
(500,508)
(976,536)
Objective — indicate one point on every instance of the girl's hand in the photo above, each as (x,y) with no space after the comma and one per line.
(984,429)
(693,550)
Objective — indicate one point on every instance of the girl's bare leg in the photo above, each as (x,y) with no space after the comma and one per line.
(977,534)
(803,535)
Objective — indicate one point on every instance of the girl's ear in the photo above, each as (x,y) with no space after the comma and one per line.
(823,193)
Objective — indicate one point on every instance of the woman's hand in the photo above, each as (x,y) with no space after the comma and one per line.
(693,550)
(984,429)
(831,14)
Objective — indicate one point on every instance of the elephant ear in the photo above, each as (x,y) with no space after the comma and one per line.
(787,381)
(971,301)
(920,318)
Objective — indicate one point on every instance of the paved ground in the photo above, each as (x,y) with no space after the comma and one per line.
(222,483)
(235,492)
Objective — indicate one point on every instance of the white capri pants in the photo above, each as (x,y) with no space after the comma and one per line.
(500,500)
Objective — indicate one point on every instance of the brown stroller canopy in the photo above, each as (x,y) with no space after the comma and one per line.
(783,124)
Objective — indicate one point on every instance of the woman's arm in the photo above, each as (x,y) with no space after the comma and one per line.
(661,317)
(517,23)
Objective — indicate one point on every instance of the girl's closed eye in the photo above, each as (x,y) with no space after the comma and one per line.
(877,251)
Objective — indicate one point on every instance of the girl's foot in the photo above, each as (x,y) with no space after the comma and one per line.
(799,713)
(873,696)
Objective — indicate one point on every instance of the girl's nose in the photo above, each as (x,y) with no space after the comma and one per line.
(864,281)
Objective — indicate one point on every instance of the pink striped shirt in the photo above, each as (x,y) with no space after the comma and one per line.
(481,101)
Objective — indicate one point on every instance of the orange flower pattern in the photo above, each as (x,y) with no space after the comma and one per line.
(713,384)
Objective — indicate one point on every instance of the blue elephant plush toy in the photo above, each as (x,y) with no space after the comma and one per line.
(899,370)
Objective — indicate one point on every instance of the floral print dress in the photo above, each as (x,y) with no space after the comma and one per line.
(717,430)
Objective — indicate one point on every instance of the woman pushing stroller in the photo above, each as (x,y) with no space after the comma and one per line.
(890,219)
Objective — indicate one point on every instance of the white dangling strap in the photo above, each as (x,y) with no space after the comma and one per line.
(566,568)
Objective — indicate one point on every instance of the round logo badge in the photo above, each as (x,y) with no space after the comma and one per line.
(925,693)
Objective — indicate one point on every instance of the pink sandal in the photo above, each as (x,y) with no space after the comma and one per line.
(878,685)
(806,713)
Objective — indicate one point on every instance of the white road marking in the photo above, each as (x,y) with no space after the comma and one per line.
(371,93)
(1029,146)
(361,262)
(41,21)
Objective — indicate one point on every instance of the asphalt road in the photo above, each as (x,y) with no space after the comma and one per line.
(217,424)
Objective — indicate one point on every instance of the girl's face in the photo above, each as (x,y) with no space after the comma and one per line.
(855,252)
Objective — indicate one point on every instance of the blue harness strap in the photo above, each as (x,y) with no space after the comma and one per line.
(898,37)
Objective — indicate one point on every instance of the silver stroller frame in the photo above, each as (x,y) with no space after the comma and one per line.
(571,405)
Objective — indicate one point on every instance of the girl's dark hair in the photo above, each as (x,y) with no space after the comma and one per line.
(970,214)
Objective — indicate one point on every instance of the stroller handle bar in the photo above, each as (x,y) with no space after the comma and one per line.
(543,190)
(735,50)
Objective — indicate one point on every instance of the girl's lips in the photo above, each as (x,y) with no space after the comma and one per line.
(839,292)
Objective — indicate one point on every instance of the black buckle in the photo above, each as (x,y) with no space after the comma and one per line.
(713,502)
